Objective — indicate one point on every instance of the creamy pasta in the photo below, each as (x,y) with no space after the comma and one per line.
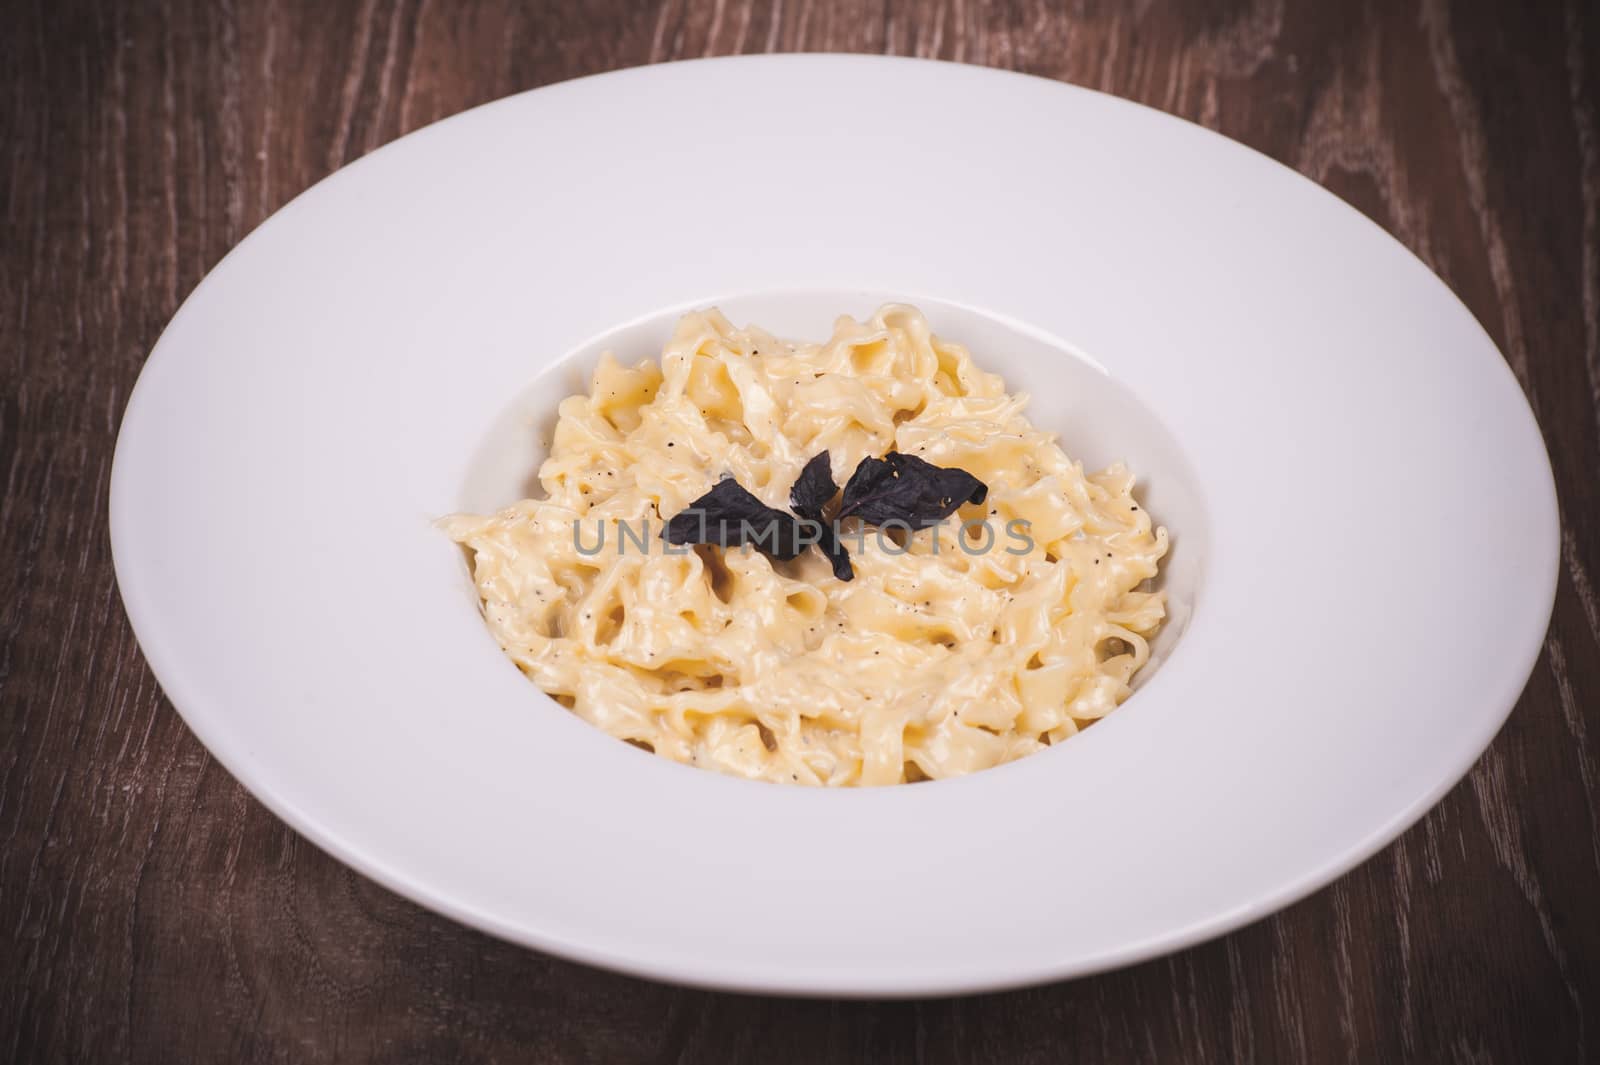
(942,656)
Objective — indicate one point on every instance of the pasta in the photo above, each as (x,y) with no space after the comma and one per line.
(1006,628)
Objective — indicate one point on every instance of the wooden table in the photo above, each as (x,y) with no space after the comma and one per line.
(151,910)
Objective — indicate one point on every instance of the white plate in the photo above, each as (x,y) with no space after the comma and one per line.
(1363,511)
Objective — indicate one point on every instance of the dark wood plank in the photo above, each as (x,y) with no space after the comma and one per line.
(150,910)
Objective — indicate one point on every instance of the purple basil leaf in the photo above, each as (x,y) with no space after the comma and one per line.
(837,555)
(904,488)
(814,488)
(812,491)
(728,516)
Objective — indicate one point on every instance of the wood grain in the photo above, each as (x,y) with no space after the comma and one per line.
(150,910)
